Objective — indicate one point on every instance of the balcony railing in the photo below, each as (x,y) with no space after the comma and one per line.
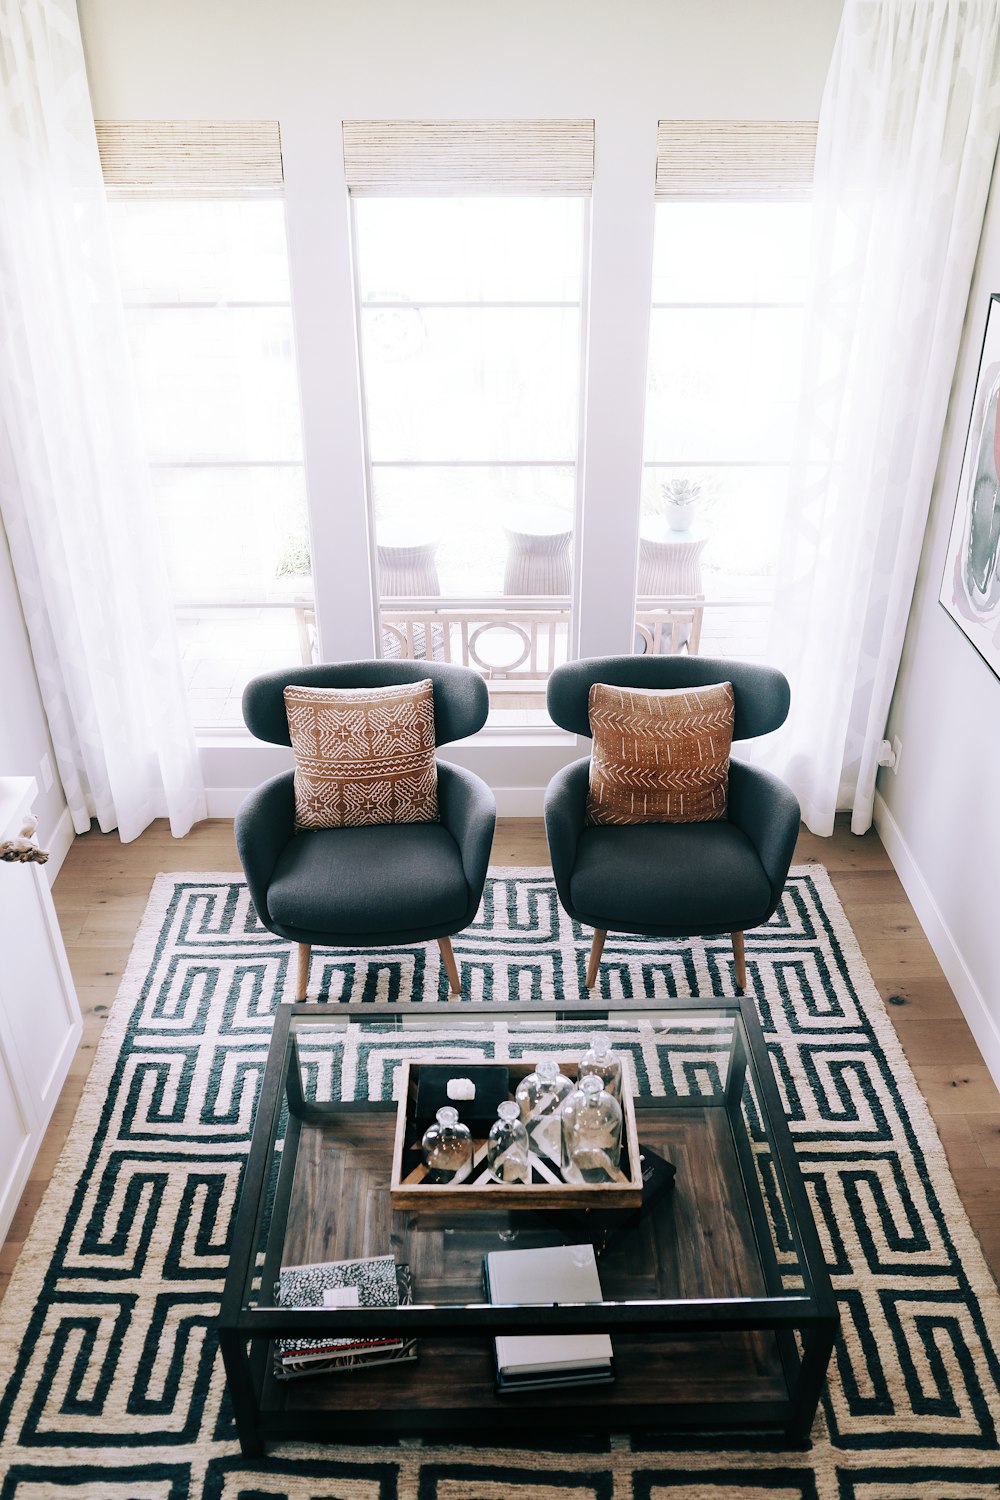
(515,639)
(515,642)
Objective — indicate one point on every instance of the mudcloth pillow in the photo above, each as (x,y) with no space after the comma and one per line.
(363,755)
(660,755)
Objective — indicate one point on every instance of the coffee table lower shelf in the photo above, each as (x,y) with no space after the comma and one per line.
(705,1381)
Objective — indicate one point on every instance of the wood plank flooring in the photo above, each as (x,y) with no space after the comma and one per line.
(102,888)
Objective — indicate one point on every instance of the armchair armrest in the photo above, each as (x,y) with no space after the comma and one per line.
(767,811)
(264,824)
(468,810)
(565,809)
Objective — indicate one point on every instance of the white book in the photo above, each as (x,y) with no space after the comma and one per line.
(561,1273)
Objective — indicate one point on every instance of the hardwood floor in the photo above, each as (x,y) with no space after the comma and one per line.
(102,888)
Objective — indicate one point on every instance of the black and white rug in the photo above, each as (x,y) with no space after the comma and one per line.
(112,1387)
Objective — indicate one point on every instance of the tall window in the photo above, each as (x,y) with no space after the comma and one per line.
(730,259)
(200,244)
(471,315)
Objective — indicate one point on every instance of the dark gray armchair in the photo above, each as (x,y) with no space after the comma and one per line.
(673,879)
(381,886)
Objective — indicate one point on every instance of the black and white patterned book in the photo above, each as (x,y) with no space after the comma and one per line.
(374,1281)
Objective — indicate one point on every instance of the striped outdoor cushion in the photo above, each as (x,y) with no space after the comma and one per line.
(660,755)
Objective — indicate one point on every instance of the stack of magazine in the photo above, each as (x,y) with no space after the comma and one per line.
(375,1281)
(562,1273)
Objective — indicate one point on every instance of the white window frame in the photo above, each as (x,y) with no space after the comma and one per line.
(492,601)
(719,161)
(617,289)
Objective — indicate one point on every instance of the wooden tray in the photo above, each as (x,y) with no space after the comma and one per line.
(408,1189)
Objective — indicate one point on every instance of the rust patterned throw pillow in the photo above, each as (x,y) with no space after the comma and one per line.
(363,755)
(660,755)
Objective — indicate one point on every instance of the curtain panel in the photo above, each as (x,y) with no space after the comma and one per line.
(907,138)
(75,489)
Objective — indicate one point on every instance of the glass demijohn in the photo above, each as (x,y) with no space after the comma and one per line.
(539,1097)
(591,1133)
(447,1145)
(507,1145)
(543,1090)
(605,1064)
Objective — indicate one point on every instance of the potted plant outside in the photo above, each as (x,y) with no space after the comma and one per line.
(680,497)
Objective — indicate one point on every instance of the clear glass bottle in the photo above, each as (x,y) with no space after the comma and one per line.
(605,1064)
(543,1090)
(447,1145)
(591,1133)
(507,1145)
(539,1097)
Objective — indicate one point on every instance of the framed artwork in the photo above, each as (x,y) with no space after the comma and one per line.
(970,589)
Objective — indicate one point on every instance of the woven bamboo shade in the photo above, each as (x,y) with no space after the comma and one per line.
(469,156)
(771,160)
(169,159)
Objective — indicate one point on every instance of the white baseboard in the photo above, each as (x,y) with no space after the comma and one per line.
(520,801)
(59,843)
(222,801)
(512,801)
(982,1023)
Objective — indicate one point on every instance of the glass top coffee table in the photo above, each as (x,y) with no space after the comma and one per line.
(716,1296)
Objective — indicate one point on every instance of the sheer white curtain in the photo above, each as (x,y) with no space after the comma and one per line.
(75,490)
(907,139)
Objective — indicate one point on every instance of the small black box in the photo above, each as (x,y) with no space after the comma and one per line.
(492,1083)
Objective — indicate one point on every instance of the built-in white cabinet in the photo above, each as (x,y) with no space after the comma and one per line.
(40,1024)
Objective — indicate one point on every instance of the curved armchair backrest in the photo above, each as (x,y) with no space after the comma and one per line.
(760,693)
(461,699)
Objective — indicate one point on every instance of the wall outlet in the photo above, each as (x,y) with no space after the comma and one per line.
(45,770)
(897,750)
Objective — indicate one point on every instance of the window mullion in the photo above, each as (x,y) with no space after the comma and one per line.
(326,343)
(618,327)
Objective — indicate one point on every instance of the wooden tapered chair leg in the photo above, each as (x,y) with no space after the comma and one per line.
(740,961)
(304,954)
(450,966)
(596,949)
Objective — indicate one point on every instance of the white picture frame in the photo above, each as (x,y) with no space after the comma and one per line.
(970,587)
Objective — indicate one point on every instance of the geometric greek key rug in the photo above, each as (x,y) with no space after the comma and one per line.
(112,1386)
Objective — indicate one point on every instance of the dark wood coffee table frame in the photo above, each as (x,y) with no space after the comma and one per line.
(686,1361)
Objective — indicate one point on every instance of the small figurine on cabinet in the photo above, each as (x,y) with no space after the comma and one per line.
(24,849)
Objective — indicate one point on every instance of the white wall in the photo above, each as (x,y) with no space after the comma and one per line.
(312,63)
(324,60)
(939,816)
(24,732)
